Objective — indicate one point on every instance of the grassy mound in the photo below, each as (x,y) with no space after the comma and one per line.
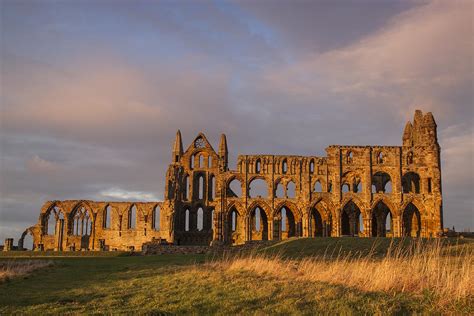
(300,276)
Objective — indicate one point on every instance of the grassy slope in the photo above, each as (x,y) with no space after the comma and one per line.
(180,284)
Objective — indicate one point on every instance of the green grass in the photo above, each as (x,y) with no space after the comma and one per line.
(182,284)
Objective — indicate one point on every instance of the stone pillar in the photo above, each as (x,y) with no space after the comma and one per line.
(8,244)
(59,235)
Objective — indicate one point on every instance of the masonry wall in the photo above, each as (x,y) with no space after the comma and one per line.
(353,191)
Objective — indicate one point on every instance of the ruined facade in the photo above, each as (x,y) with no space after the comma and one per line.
(360,191)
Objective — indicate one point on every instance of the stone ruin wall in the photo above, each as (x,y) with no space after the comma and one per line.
(361,191)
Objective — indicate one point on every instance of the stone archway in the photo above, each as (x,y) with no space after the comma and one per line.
(21,241)
(258,223)
(411,225)
(350,219)
(380,214)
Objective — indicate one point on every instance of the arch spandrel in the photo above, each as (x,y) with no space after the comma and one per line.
(354,197)
(289,205)
(418,203)
(392,207)
(262,205)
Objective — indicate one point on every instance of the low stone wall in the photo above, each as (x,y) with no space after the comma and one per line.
(157,248)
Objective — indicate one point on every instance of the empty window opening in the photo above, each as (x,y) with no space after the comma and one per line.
(191,162)
(201,161)
(234,189)
(258,188)
(257,166)
(107,216)
(318,187)
(284,220)
(381,183)
(132,217)
(212,188)
(429,185)
(311,166)
(257,219)
(291,190)
(388,222)
(51,221)
(200,219)
(411,183)
(234,220)
(380,157)
(82,222)
(186,220)
(280,191)
(345,188)
(284,167)
(361,223)
(156,218)
(201,188)
(330,186)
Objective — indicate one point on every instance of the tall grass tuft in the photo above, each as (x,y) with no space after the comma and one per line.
(417,268)
(15,268)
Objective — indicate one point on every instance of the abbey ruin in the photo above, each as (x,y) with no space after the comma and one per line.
(360,191)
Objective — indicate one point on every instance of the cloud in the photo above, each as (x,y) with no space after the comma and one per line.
(37,164)
(119,194)
(418,59)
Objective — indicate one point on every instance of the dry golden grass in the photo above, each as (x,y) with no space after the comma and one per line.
(421,268)
(15,268)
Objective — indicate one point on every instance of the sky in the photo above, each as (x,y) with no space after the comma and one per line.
(93,92)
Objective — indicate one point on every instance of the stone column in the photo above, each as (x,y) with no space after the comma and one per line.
(8,244)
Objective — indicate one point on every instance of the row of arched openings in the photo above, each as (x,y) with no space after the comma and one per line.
(352,223)
(82,220)
(199,161)
(381,183)
(200,220)
(200,191)
(284,224)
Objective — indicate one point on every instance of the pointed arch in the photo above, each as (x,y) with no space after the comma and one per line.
(186,220)
(258,221)
(257,187)
(411,182)
(411,221)
(379,215)
(350,216)
(132,217)
(200,219)
(234,187)
(107,217)
(381,182)
(156,222)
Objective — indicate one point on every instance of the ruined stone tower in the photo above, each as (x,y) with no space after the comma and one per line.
(360,191)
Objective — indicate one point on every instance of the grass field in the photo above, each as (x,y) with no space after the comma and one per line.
(299,276)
